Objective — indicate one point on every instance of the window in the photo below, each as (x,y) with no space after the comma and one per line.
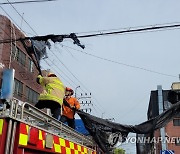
(21,57)
(14,52)
(31,95)
(167,105)
(18,55)
(18,88)
(178,115)
(176,122)
(30,65)
(177,141)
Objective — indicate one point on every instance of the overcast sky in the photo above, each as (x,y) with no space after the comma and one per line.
(120,90)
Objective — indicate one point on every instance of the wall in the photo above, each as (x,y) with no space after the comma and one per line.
(10,31)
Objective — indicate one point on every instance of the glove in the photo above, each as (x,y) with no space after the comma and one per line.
(38,78)
(73,107)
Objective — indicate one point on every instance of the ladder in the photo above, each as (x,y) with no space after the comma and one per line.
(27,113)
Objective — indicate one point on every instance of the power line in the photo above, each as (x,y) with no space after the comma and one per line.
(70,79)
(120,63)
(79,82)
(125,31)
(15,22)
(132,30)
(37,1)
(84,87)
(22,18)
(73,76)
(71,73)
(125,28)
(56,71)
(144,29)
(10,18)
(63,65)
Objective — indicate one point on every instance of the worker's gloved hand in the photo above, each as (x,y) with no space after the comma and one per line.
(73,107)
(37,80)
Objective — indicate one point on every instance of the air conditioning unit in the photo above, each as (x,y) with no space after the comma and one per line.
(175,86)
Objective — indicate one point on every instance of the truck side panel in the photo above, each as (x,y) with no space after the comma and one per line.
(3,133)
(33,140)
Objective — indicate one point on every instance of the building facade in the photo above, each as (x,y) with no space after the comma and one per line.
(170,134)
(13,55)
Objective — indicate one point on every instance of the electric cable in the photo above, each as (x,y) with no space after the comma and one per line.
(10,18)
(61,70)
(80,83)
(56,71)
(22,18)
(68,81)
(126,28)
(120,63)
(140,30)
(131,30)
(23,2)
(70,73)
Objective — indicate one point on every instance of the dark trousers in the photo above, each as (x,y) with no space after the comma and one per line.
(70,122)
(54,106)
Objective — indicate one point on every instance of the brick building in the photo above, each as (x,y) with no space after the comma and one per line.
(171,132)
(14,56)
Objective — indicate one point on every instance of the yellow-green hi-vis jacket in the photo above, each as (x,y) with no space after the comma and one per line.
(53,89)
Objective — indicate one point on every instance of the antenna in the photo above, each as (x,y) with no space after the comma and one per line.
(22,21)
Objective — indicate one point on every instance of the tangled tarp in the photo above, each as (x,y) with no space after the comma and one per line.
(57,38)
(39,44)
(106,133)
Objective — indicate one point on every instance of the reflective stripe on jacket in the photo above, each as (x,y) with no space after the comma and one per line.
(53,89)
(69,112)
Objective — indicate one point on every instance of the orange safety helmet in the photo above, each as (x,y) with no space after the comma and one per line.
(69,89)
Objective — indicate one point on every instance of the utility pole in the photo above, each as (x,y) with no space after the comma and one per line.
(160,103)
(76,90)
(85,101)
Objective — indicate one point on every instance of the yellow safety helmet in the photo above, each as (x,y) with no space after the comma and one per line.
(51,75)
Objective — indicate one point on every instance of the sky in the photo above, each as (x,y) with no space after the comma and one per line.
(118,70)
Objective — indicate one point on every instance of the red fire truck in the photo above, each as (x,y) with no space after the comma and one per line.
(25,129)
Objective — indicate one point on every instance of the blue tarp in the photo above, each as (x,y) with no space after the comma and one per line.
(80,127)
(167,152)
(7,84)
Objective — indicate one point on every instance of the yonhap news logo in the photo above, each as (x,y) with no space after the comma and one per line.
(144,140)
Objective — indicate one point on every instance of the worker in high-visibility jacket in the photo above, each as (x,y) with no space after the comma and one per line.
(52,95)
(69,107)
